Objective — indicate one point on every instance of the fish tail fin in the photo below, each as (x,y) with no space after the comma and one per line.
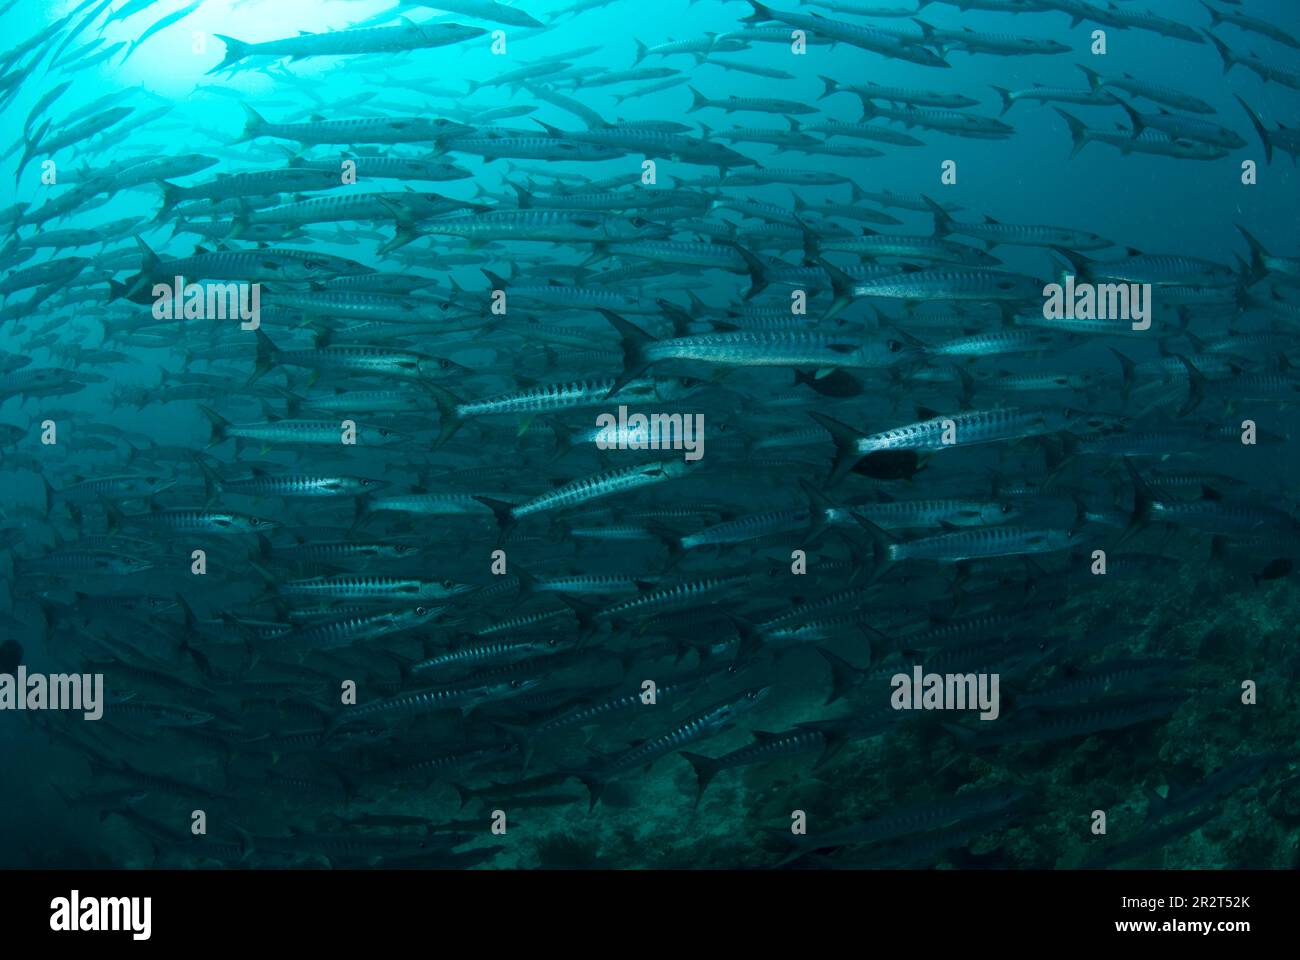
(266,356)
(942,220)
(1007,101)
(1128,373)
(1144,498)
(1134,117)
(253,124)
(706,768)
(698,100)
(113,517)
(818,507)
(595,785)
(211,482)
(844,675)
(1081,265)
(236,50)
(1078,132)
(1258,123)
(219,425)
(584,612)
(846,446)
(170,197)
(503,512)
(881,542)
(1094,78)
(1257,269)
(841,287)
(449,419)
(633,341)
(1226,55)
(1195,387)
(758,279)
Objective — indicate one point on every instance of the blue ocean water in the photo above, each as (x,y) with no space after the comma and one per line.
(1207,609)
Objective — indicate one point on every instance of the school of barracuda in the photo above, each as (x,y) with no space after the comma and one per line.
(395,482)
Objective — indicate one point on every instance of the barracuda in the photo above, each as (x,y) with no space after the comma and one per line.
(494,652)
(703,725)
(364,587)
(191,521)
(767,746)
(1023,235)
(1002,343)
(858,35)
(293,432)
(346,631)
(753,348)
(361,130)
(255,183)
(945,121)
(266,484)
(76,562)
(356,359)
(578,492)
(919,98)
(1151,91)
(464,697)
(948,283)
(406,36)
(942,432)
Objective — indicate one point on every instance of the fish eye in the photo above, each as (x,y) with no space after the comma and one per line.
(365,483)
(894,345)
(444,363)
(420,611)
(448,584)
(383,432)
